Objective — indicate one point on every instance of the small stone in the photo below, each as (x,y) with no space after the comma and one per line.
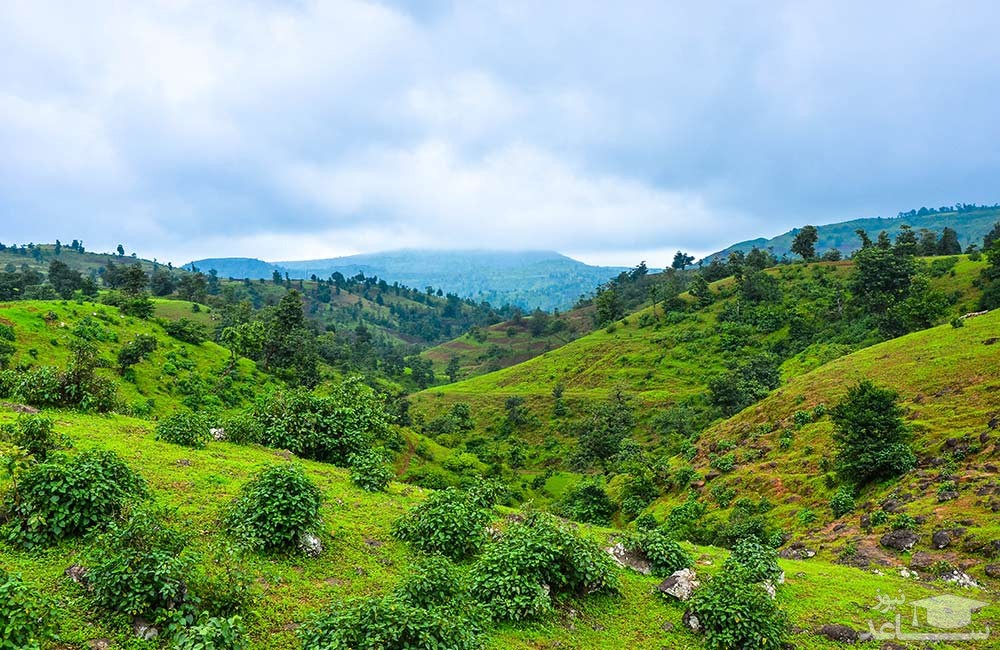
(667,627)
(99,644)
(947,495)
(941,539)
(921,561)
(630,558)
(311,545)
(960,578)
(218,435)
(992,570)
(841,633)
(691,621)
(144,629)
(76,573)
(900,540)
(680,584)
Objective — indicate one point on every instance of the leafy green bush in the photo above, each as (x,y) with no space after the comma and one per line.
(135,351)
(872,439)
(842,502)
(449,522)
(806,516)
(185,330)
(535,561)
(212,633)
(724,464)
(432,581)
(664,554)
(26,617)
(587,502)
(33,434)
(185,428)
(904,521)
(879,518)
(735,611)
(327,428)
(684,521)
(370,470)
(243,429)
(275,509)
(64,496)
(139,567)
(760,562)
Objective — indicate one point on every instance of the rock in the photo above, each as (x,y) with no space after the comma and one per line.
(959,578)
(771,590)
(900,540)
(218,434)
(691,621)
(941,539)
(77,574)
(841,633)
(891,505)
(310,545)
(667,626)
(99,644)
(947,495)
(797,551)
(144,629)
(891,645)
(680,584)
(906,573)
(921,561)
(992,570)
(632,559)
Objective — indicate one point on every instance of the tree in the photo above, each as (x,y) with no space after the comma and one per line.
(992,236)
(872,439)
(700,290)
(804,244)
(866,241)
(881,279)
(681,260)
(161,283)
(121,250)
(453,369)
(133,279)
(601,436)
(906,241)
(948,244)
(64,280)
(609,306)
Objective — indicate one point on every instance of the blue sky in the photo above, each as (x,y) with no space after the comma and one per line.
(611,131)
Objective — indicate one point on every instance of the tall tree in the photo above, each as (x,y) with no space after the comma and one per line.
(948,244)
(681,260)
(804,244)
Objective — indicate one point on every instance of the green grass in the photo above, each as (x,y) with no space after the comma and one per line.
(362,558)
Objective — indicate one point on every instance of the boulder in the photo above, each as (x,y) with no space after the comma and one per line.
(841,633)
(691,621)
(311,545)
(144,629)
(947,495)
(959,578)
(900,540)
(77,574)
(992,570)
(218,435)
(797,551)
(632,559)
(99,644)
(680,584)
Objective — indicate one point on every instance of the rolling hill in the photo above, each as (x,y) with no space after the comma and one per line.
(971,226)
(527,279)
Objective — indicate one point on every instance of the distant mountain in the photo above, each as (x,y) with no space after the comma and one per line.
(971,226)
(527,279)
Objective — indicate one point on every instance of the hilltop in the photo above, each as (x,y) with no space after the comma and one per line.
(969,224)
(527,279)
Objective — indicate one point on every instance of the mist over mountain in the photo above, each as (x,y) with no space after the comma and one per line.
(528,279)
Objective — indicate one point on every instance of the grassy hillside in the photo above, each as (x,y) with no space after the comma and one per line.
(175,373)
(948,380)
(970,226)
(362,558)
(88,262)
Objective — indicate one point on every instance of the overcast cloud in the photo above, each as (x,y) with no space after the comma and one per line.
(289,130)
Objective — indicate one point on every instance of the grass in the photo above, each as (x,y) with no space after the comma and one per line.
(361,558)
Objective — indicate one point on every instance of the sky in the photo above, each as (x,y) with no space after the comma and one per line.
(613,132)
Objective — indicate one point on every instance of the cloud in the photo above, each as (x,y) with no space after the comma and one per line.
(279,129)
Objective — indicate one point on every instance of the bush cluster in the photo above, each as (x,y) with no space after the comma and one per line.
(450,522)
(185,330)
(275,509)
(429,611)
(212,633)
(33,434)
(26,617)
(535,561)
(842,501)
(68,496)
(588,502)
(185,428)
(664,554)
(735,611)
(370,470)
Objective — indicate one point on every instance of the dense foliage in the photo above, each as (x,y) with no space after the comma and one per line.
(185,428)
(26,617)
(872,439)
(450,522)
(275,509)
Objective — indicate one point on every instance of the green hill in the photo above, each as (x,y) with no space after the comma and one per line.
(970,225)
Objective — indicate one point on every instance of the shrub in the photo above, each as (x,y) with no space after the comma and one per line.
(135,351)
(535,561)
(243,429)
(139,567)
(64,497)
(664,554)
(588,502)
(275,509)
(723,495)
(449,522)
(759,562)
(872,439)
(432,581)
(392,623)
(737,612)
(33,434)
(903,521)
(806,516)
(326,428)
(26,617)
(185,428)
(879,518)
(842,502)
(370,470)
(724,464)
(212,633)
(684,521)
(185,330)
